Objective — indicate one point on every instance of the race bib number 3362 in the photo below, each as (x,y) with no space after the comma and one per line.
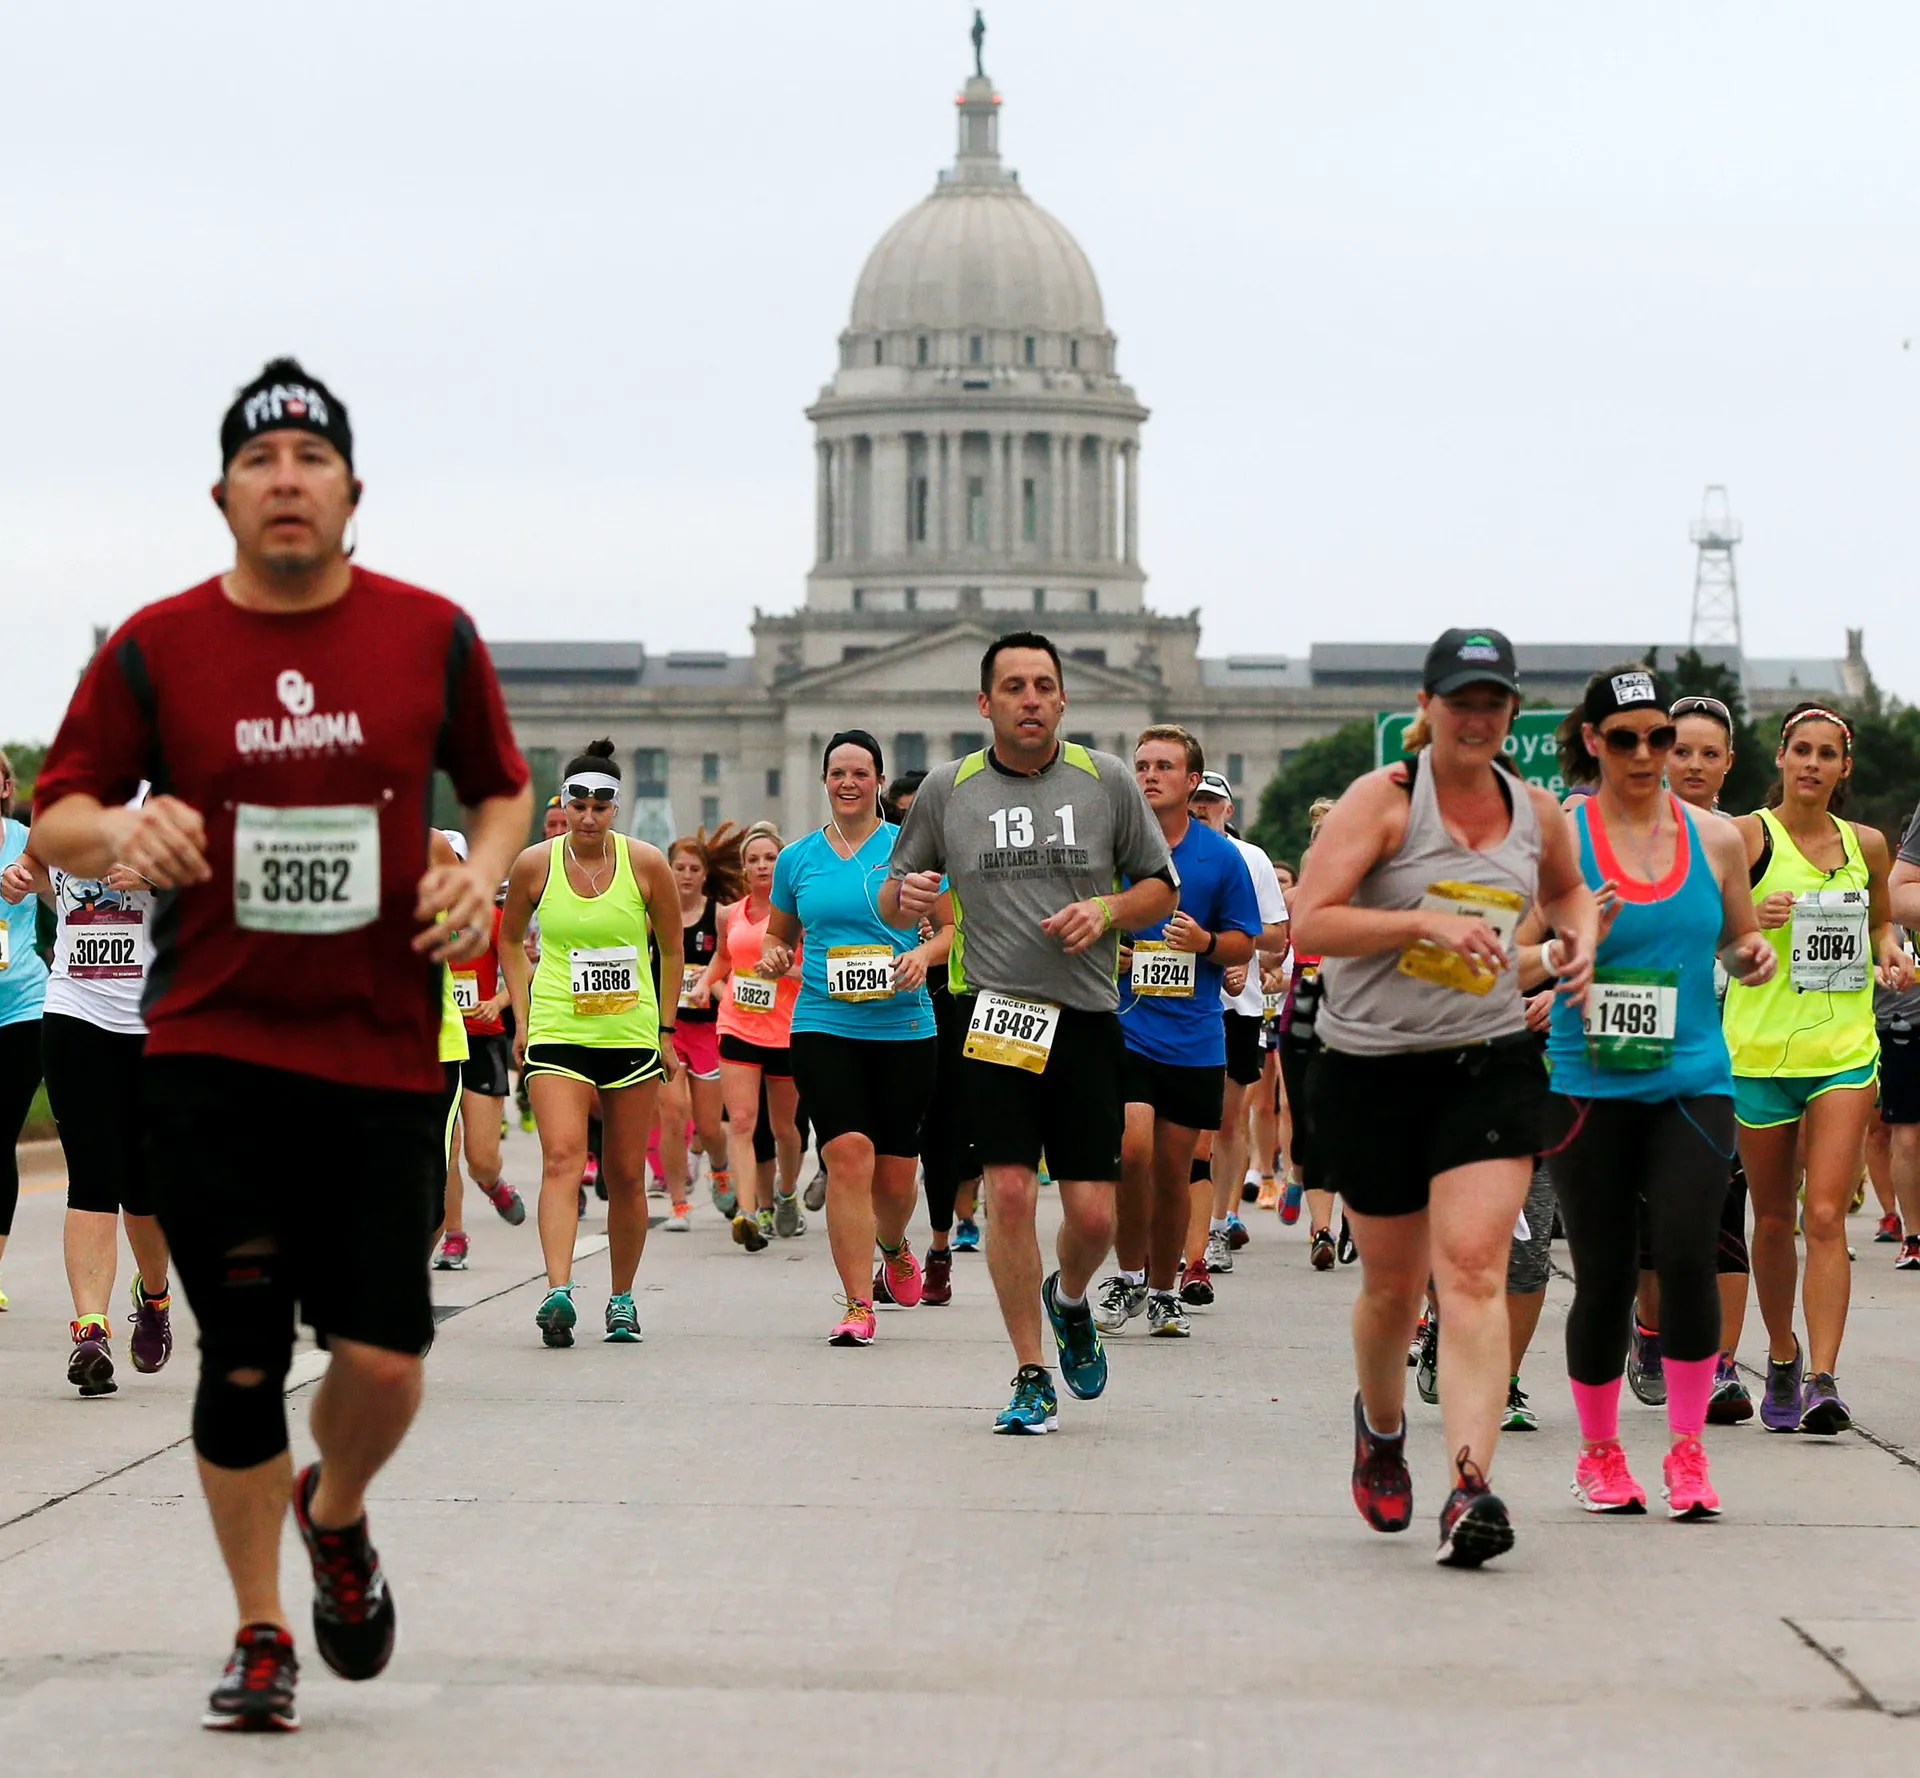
(308,871)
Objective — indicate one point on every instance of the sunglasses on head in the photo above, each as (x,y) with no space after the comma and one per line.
(1627,740)
(1696,706)
(583,793)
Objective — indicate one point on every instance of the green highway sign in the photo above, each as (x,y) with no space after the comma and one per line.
(1530,746)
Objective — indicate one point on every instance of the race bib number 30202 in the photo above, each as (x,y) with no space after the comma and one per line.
(307,871)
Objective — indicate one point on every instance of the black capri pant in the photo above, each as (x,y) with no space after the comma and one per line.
(93,1086)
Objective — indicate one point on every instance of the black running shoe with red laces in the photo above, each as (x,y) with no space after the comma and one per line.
(1474,1527)
(255,1693)
(353,1614)
(1382,1486)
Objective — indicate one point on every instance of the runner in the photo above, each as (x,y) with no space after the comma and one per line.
(590,1026)
(1805,1053)
(1032,835)
(1428,1098)
(1642,1121)
(864,1048)
(706,870)
(1174,1069)
(291,713)
(1299,1045)
(446,847)
(23,992)
(1900,1058)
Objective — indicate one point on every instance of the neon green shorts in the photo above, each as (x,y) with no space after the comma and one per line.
(1765,1101)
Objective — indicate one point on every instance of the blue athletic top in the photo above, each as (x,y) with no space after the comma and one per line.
(1672,925)
(23,983)
(834,900)
(1216,892)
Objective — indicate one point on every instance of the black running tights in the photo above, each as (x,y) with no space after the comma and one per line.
(19,1081)
(1673,1155)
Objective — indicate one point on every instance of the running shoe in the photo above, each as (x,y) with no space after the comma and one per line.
(788,1221)
(1290,1202)
(1382,1484)
(1417,1344)
(5,1302)
(1909,1257)
(1518,1417)
(1250,1190)
(1196,1285)
(1821,1409)
(507,1201)
(90,1364)
(591,1177)
(817,1189)
(353,1616)
(721,1188)
(1730,1404)
(857,1326)
(1167,1317)
(1119,1301)
(936,1286)
(680,1219)
(966,1236)
(1689,1491)
(1347,1251)
(451,1255)
(1320,1250)
(623,1321)
(1780,1405)
(746,1232)
(904,1280)
(1219,1252)
(526,1120)
(255,1693)
(1268,1198)
(1035,1408)
(1889,1228)
(556,1315)
(764,1218)
(1645,1375)
(1083,1360)
(1603,1483)
(580,1214)
(151,1343)
(1426,1374)
(1237,1235)
(1474,1527)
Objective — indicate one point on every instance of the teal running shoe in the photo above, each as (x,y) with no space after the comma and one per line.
(623,1321)
(966,1236)
(1035,1408)
(1083,1360)
(556,1315)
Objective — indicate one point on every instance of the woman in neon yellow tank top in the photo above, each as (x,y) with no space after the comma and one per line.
(1804,1052)
(588,1023)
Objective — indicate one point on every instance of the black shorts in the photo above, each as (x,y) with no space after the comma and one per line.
(873,1087)
(1194,1098)
(488,1063)
(1899,1075)
(1384,1127)
(1244,1060)
(93,1086)
(339,1188)
(1073,1112)
(776,1064)
(629,1065)
(946,1155)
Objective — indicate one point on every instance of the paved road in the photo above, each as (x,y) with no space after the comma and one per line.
(733,1549)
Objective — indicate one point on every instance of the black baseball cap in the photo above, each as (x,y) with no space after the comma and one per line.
(1461,658)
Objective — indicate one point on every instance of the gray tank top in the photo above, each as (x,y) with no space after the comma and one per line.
(1423,998)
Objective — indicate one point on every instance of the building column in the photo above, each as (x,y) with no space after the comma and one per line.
(997,493)
(887,500)
(1132,542)
(1069,495)
(937,495)
(1109,495)
(843,500)
(822,500)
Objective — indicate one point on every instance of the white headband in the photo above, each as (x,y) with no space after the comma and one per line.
(598,782)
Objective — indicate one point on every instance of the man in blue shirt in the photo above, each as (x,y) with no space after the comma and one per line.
(1174,1075)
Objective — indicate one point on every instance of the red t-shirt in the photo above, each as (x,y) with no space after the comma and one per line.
(342,714)
(485,971)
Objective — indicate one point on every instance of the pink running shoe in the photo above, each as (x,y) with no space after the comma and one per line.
(857,1326)
(897,1278)
(1689,1492)
(1602,1483)
(507,1201)
(452,1255)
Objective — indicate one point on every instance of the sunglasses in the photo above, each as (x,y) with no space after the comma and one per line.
(581,793)
(1696,706)
(1627,740)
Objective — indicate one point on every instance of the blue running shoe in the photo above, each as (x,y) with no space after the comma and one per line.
(1083,1360)
(555,1316)
(1035,1408)
(966,1236)
(1237,1235)
(1780,1405)
(623,1321)
(1290,1202)
(1646,1373)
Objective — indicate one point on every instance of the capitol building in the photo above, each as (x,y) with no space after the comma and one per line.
(978,469)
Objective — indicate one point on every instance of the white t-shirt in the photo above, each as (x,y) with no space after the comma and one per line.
(1273,909)
(102,947)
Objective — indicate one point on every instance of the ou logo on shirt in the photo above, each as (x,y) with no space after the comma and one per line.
(295,692)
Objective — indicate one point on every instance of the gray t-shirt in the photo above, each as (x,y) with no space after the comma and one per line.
(1016,849)
(1887,1004)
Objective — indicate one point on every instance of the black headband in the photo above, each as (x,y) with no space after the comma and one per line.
(1632,688)
(854,737)
(284,398)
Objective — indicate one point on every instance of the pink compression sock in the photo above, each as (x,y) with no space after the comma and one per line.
(1598,1405)
(1689,1387)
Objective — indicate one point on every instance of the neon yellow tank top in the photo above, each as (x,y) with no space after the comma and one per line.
(453,1028)
(594,983)
(1798,1033)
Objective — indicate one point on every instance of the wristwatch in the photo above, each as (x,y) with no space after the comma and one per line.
(1213,938)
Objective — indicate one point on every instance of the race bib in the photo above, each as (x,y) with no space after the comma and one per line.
(860,972)
(103,944)
(605,981)
(6,946)
(688,983)
(1014,1033)
(307,871)
(1427,962)
(753,993)
(1270,1005)
(1630,1017)
(466,992)
(1830,941)
(1160,972)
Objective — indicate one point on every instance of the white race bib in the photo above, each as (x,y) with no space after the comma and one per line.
(1629,1018)
(1160,972)
(306,871)
(1270,1005)
(860,972)
(6,943)
(605,981)
(466,992)
(1830,941)
(1015,1033)
(753,993)
(103,944)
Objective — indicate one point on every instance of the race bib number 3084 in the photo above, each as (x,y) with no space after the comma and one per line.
(1830,941)
(307,871)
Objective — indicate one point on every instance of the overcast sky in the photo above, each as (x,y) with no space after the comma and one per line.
(1445,313)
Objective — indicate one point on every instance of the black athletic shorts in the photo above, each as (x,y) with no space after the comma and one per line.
(777,1064)
(1073,1112)
(629,1065)
(946,1154)
(1385,1126)
(337,1188)
(1194,1098)
(1243,1048)
(873,1087)
(488,1063)
(1899,1075)
(93,1086)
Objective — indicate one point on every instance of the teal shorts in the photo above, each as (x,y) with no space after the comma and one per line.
(1765,1101)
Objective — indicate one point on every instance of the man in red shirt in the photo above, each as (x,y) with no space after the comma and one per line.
(290,715)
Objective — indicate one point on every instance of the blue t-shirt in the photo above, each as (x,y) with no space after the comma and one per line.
(1217,893)
(23,983)
(834,900)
